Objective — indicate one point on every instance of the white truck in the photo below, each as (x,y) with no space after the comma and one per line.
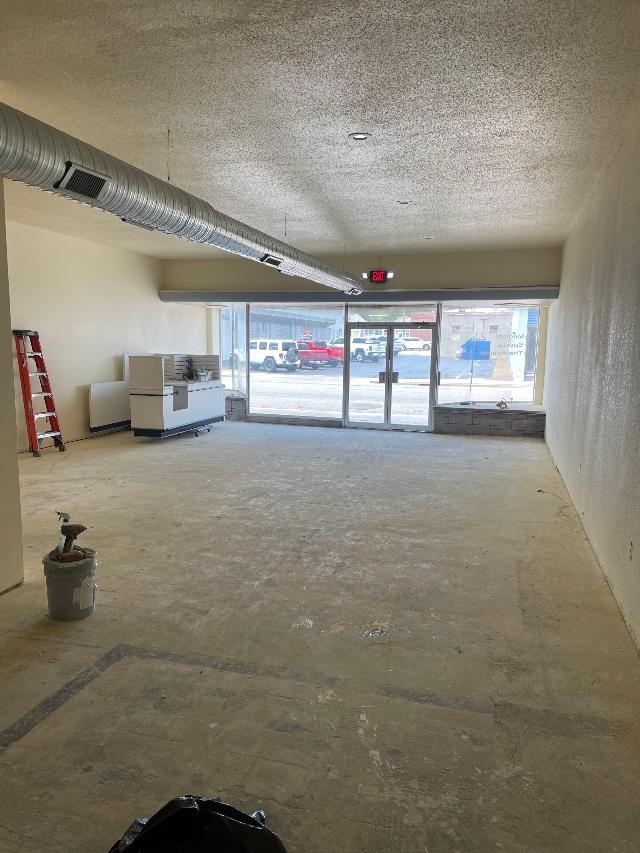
(363,349)
(367,349)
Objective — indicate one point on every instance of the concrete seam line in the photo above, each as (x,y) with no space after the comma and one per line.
(497,710)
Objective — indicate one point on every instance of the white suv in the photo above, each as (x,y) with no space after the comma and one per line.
(272,354)
(413,343)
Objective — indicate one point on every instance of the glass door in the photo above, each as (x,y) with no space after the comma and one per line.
(390,375)
(410,391)
(365,367)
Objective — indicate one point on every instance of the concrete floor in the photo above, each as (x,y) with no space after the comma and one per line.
(391,642)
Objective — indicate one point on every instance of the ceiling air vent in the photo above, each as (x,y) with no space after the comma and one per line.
(81,181)
(271,261)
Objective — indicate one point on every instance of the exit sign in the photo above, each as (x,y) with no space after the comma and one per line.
(378,276)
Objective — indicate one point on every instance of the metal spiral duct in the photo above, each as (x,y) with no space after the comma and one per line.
(37,154)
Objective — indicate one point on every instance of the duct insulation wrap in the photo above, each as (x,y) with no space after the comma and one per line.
(37,154)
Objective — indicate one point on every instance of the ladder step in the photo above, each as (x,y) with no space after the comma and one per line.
(49,434)
(44,415)
(32,354)
(42,394)
(41,373)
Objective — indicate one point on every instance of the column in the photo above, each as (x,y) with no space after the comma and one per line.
(11,567)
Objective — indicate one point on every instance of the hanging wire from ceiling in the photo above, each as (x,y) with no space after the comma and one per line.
(168,155)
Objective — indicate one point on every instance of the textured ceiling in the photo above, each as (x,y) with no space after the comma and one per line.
(493,117)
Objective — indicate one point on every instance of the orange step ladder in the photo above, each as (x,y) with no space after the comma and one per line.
(28,347)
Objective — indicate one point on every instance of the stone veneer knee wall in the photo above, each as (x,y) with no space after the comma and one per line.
(235,407)
(489,420)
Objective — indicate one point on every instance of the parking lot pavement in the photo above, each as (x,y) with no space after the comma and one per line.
(318,393)
(310,393)
(409,366)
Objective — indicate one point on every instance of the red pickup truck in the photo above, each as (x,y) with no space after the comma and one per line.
(311,356)
(333,354)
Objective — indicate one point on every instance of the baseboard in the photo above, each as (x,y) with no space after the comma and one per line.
(10,588)
(117,425)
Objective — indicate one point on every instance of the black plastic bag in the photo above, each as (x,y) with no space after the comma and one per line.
(193,824)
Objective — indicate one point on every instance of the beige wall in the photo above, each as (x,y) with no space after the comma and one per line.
(465,269)
(90,303)
(541,356)
(10,521)
(592,387)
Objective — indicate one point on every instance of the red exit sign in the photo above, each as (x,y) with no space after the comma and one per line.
(378,276)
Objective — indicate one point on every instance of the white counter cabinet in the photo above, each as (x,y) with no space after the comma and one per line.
(161,408)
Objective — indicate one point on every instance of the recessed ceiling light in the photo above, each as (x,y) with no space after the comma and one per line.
(359,135)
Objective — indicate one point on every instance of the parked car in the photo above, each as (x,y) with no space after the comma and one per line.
(414,343)
(313,358)
(367,349)
(382,339)
(273,354)
(362,349)
(334,354)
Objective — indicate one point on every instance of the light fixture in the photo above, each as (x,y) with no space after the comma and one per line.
(404,202)
(365,275)
(389,275)
(359,135)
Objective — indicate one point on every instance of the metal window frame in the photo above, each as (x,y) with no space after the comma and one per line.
(247,366)
(434,378)
(434,375)
(345,421)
